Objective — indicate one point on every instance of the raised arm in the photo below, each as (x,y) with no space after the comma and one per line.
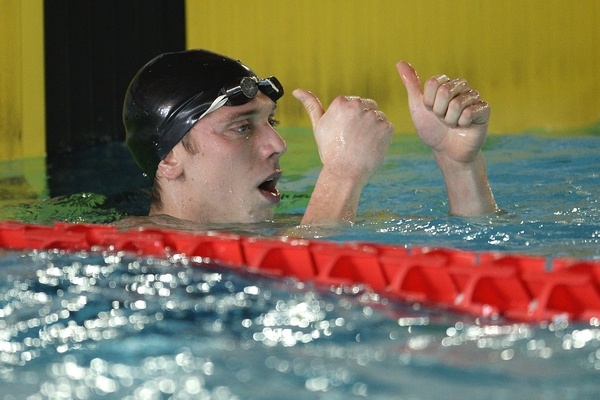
(452,120)
(352,138)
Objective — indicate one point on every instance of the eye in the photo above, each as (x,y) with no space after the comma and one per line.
(243,128)
(238,130)
(273,122)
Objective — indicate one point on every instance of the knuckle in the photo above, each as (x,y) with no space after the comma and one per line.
(454,106)
(352,101)
(444,91)
(434,81)
(474,93)
(339,99)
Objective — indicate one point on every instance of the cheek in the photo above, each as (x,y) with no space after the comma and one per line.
(220,167)
(239,155)
(223,160)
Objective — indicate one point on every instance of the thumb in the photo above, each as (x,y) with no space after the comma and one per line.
(311,103)
(411,82)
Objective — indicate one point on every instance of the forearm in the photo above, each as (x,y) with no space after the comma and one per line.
(334,200)
(469,192)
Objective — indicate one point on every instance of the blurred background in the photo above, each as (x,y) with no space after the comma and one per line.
(66,64)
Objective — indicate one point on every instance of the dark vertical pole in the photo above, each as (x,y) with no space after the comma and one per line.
(93,48)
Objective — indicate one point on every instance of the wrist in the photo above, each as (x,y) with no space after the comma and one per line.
(467,185)
(334,199)
(451,165)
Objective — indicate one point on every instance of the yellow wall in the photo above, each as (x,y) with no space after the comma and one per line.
(537,62)
(10,78)
(22,105)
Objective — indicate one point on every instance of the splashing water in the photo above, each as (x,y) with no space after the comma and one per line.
(113,325)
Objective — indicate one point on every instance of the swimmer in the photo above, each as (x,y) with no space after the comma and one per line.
(201,126)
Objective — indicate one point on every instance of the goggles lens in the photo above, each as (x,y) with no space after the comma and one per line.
(249,87)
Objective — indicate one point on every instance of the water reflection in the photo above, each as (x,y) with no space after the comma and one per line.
(98,325)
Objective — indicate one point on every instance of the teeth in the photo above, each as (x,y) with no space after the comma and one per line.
(269,186)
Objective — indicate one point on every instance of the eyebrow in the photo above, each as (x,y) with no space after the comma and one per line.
(249,113)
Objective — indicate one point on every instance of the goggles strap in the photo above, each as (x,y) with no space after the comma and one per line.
(215,105)
(275,88)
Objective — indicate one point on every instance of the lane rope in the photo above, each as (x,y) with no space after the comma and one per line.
(487,284)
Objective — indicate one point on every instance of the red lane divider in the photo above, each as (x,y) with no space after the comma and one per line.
(517,287)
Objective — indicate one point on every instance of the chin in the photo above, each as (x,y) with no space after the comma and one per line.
(261,216)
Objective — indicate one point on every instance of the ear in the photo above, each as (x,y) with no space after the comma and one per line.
(170,167)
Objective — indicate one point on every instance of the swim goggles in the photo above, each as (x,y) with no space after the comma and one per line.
(183,118)
(244,91)
(231,95)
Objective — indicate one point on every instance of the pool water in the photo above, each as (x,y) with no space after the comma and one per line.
(106,325)
(92,325)
(547,186)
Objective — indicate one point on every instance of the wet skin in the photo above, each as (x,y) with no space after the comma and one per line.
(232,174)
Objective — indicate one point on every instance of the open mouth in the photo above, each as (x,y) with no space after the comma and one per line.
(269,189)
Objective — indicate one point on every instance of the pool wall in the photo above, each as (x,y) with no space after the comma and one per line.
(535,62)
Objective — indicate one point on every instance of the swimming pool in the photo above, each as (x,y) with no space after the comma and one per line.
(112,325)
(547,186)
(107,324)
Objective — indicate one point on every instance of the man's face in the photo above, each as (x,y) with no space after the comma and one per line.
(232,175)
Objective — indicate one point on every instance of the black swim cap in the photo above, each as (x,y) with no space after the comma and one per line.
(171,92)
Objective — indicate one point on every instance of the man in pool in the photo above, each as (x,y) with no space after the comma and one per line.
(201,126)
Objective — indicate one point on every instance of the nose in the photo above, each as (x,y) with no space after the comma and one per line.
(274,146)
